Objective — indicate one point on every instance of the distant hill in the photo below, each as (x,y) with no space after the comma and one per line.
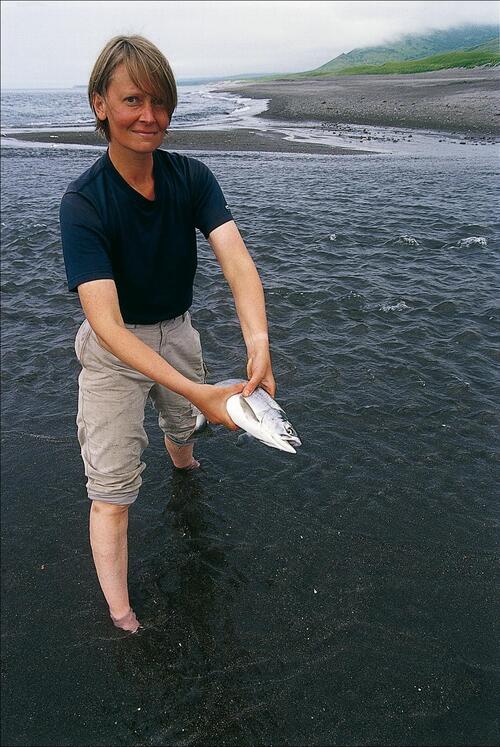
(416,46)
(493,45)
(460,58)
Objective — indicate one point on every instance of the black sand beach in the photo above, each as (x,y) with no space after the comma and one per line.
(458,100)
(207,140)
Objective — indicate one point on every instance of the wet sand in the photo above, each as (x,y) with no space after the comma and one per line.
(203,140)
(237,649)
(464,101)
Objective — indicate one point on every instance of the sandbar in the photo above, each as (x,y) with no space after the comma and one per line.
(463,101)
(234,140)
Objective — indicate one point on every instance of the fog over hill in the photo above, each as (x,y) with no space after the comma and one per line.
(416,46)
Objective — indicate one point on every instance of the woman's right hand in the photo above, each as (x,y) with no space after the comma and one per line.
(211,401)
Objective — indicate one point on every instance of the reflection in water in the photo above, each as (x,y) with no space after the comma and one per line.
(189,656)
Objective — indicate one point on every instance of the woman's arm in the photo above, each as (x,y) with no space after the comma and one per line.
(241,274)
(99,300)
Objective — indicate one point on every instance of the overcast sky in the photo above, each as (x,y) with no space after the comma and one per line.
(54,44)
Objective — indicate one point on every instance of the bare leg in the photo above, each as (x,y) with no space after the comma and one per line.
(108,539)
(181,456)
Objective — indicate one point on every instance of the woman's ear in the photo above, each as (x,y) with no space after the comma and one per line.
(99,107)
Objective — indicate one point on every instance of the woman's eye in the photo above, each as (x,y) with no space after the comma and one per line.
(131,99)
(158,102)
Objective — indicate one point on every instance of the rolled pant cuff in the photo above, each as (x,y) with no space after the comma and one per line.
(122,499)
(199,426)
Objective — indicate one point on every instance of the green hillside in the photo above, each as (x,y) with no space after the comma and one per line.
(463,58)
(493,45)
(415,46)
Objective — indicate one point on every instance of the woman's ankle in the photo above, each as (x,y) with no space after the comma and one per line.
(117,613)
(128,621)
(181,456)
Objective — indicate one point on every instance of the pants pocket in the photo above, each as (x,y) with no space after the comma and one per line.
(81,339)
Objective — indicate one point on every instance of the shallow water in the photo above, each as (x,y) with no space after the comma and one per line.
(342,596)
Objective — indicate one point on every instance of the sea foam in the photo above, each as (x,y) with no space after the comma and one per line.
(400,306)
(472,241)
(408,241)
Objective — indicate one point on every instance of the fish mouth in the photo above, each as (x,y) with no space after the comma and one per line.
(293,443)
(287,443)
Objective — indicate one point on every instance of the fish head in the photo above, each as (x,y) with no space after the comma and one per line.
(280,432)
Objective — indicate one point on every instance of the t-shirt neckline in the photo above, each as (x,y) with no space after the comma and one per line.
(130,190)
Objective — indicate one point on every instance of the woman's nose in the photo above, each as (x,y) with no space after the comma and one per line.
(147,112)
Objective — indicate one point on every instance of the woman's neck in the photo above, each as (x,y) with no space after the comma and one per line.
(135,168)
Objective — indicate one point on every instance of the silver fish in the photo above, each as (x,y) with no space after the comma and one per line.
(262,417)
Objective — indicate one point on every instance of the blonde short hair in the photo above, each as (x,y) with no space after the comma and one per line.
(146,65)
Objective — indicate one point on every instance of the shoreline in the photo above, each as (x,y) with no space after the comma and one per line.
(461,101)
(236,140)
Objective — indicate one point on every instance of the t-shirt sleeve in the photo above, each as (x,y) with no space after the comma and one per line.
(209,204)
(86,247)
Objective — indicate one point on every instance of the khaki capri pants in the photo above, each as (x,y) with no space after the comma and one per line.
(112,399)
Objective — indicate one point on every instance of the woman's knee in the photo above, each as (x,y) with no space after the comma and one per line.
(104,509)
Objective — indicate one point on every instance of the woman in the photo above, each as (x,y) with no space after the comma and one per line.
(128,233)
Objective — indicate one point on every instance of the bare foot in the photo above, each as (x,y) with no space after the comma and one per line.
(128,622)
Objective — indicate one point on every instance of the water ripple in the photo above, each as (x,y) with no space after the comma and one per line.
(384,336)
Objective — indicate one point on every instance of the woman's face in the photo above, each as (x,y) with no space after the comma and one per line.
(137,121)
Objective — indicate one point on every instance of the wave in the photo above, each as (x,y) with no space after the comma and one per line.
(407,241)
(398,306)
(472,241)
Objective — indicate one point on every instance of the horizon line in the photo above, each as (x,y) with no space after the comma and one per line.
(179,81)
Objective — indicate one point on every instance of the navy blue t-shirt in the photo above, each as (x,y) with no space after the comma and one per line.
(148,247)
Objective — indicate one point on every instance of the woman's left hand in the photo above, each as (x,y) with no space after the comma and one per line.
(259,371)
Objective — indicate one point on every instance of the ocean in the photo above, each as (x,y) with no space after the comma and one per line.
(340,596)
(54,108)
